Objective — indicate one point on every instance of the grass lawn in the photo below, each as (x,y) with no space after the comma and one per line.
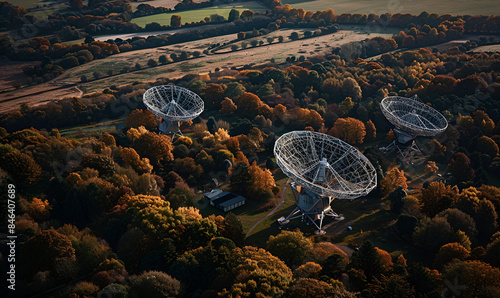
(197,15)
(92,130)
(485,7)
(103,67)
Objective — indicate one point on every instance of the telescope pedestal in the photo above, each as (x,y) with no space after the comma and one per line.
(311,207)
(406,146)
(169,128)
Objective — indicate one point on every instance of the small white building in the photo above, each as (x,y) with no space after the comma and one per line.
(224,200)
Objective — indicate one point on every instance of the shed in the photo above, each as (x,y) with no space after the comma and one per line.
(224,200)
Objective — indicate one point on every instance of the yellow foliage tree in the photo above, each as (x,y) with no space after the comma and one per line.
(431,168)
(260,180)
(38,209)
(222,135)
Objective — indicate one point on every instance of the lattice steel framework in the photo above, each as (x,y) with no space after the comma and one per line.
(173,104)
(322,168)
(412,118)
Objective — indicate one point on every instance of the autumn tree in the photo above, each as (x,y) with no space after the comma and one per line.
(368,260)
(322,250)
(85,289)
(310,287)
(349,129)
(291,247)
(460,221)
(248,104)
(139,117)
(461,168)
(451,251)
(156,147)
(154,284)
(346,105)
(393,179)
(437,197)
(350,88)
(480,279)
(391,286)
(433,233)
(38,209)
(180,195)
(21,167)
(371,131)
(240,177)
(233,15)
(487,146)
(261,182)
(334,266)
(431,168)
(486,219)
(492,255)
(308,270)
(175,21)
(227,106)
(140,165)
(204,266)
(45,251)
(258,272)
(104,164)
(213,95)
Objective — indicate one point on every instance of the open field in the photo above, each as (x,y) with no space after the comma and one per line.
(459,7)
(160,3)
(197,15)
(41,9)
(489,48)
(204,64)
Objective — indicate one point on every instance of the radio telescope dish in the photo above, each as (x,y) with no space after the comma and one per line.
(412,118)
(173,104)
(322,168)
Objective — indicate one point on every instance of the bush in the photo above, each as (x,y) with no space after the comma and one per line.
(152,63)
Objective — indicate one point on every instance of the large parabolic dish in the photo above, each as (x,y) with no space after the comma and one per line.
(413,116)
(173,104)
(324,165)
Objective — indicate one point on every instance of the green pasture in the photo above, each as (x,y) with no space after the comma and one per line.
(461,7)
(197,15)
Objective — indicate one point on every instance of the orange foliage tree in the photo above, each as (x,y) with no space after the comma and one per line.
(227,106)
(451,251)
(349,129)
(139,117)
(371,131)
(437,197)
(393,179)
(38,209)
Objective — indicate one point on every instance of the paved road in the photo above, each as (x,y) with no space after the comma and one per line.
(270,212)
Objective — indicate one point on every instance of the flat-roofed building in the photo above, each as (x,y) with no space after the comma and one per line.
(224,200)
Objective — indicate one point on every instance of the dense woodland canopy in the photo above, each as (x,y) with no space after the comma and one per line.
(119,213)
